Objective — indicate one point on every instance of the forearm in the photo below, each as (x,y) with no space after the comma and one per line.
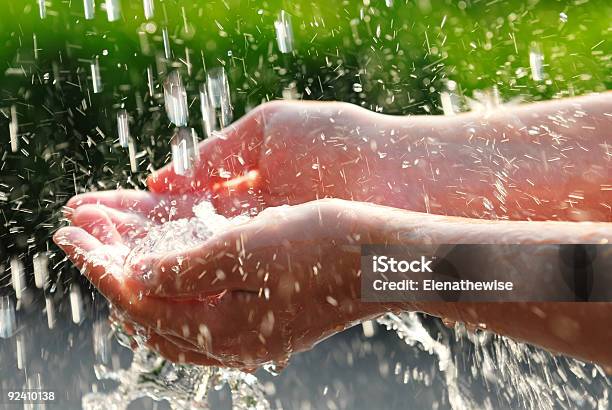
(540,161)
(577,329)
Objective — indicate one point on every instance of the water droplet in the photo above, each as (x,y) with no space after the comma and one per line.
(167,47)
(132,154)
(7,317)
(368,328)
(185,152)
(50,308)
(40,262)
(123,127)
(149,9)
(95,75)
(89,7)
(219,94)
(113,10)
(150,81)
(21,351)
(14,129)
(536,62)
(42,8)
(563,17)
(175,98)
(208,112)
(18,279)
(76,303)
(101,335)
(284,32)
(450,100)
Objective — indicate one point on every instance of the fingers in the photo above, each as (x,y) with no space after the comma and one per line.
(128,225)
(97,223)
(99,262)
(123,199)
(228,154)
(103,266)
(152,206)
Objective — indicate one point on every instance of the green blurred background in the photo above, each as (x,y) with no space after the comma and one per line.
(392,58)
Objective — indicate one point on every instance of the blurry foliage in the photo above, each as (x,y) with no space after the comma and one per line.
(390,59)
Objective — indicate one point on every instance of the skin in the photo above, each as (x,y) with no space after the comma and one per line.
(290,276)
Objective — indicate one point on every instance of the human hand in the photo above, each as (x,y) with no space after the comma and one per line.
(290,153)
(257,292)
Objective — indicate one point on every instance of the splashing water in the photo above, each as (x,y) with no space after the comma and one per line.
(184,233)
(184,386)
(519,375)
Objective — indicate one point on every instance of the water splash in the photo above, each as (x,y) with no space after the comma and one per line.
(184,386)
(409,328)
(514,373)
